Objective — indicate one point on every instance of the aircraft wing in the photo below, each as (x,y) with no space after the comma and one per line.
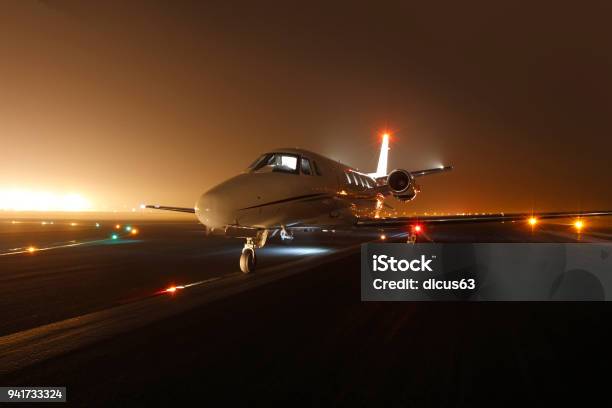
(458,219)
(178,209)
(426,172)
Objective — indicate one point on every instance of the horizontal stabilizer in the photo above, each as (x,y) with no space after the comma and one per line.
(427,172)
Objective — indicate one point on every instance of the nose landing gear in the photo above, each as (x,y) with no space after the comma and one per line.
(248,261)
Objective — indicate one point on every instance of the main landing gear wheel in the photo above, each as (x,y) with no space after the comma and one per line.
(286,236)
(248,260)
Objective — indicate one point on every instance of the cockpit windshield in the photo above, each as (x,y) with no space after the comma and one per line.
(275,162)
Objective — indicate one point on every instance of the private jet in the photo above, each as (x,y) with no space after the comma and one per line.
(286,189)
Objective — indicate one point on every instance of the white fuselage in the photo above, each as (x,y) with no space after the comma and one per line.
(332,195)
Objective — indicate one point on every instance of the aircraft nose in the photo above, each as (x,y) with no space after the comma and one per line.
(213,211)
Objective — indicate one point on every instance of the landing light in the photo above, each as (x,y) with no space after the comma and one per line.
(418,228)
(173,289)
(533,221)
(31,249)
(383,237)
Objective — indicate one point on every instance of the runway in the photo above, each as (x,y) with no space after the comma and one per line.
(94,313)
(78,269)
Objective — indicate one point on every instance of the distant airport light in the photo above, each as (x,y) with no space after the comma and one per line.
(97,225)
(383,237)
(579,224)
(73,224)
(134,231)
(117,226)
(114,236)
(533,221)
(128,228)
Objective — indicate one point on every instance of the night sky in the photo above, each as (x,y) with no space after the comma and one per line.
(156,102)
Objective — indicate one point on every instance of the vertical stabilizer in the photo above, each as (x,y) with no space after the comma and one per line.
(381,170)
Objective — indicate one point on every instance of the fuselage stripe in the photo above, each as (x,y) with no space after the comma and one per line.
(286,200)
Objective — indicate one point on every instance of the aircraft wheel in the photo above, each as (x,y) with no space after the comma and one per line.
(247,260)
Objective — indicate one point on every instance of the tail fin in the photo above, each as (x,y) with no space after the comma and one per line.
(381,170)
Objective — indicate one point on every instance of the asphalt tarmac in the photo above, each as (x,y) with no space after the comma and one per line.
(93,313)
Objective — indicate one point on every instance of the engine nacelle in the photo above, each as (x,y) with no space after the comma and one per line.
(402,185)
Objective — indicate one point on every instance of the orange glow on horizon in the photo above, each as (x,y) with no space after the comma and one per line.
(31,200)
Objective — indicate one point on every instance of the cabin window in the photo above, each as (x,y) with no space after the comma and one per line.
(306,166)
(261,159)
(316,168)
(277,162)
(348,178)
